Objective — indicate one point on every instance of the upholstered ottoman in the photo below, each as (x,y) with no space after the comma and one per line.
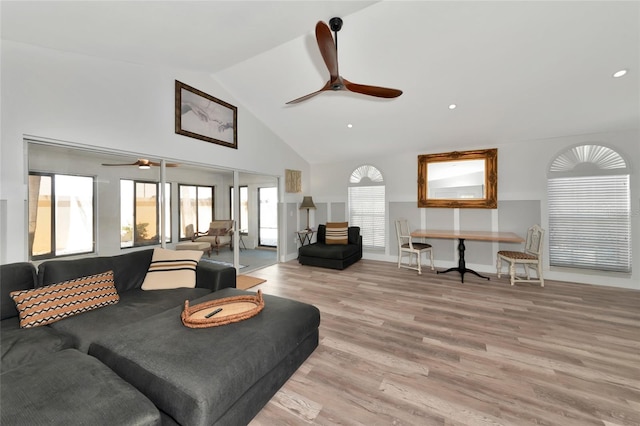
(71,388)
(195,245)
(219,375)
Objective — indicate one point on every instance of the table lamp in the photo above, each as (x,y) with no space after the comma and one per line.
(307,203)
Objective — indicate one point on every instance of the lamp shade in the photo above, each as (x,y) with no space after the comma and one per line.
(307,203)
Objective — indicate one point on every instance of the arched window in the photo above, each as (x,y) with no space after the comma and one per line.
(367,205)
(589,209)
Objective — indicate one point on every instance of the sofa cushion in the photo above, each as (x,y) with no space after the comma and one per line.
(337,233)
(129,269)
(71,388)
(328,251)
(223,363)
(134,306)
(51,303)
(172,269)
(14,277)
(22,345)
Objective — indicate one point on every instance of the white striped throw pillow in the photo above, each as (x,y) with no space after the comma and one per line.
(172,269)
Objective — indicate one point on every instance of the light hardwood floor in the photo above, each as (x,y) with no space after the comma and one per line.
(401,349)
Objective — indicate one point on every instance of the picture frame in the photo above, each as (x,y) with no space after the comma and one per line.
(201,116)
(293,181)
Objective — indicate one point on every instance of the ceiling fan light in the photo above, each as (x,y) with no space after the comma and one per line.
(452,106)
(144,167)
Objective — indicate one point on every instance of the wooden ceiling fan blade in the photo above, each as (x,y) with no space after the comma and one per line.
(153,163)
(328,49)
(380,92)
(303,98)
(121,164)
(310,95)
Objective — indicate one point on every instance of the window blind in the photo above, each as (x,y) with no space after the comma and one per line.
(590,222)
(367,210)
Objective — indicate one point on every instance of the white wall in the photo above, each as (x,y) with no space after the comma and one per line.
(88,101)
(522,171)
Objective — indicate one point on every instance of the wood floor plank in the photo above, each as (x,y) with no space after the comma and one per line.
(401,349)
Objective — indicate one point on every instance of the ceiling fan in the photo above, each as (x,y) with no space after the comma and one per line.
(143,163)
(329,52)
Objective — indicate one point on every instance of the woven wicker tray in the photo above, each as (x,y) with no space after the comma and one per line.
(231,309)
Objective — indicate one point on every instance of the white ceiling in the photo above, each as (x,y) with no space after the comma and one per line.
(518,71)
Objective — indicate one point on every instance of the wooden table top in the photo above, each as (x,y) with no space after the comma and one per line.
(509,237)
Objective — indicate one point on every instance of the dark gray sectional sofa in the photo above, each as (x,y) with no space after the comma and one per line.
(134,363)
(334,256)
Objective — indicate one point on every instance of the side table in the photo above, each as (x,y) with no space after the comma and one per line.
(243,233)
(305,236)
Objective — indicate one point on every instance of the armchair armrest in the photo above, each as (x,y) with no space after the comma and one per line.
(197,234)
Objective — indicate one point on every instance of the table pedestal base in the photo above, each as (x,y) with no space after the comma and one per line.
(462,266)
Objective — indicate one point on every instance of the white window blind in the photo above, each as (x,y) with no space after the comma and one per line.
(367,210)
(367,205)
(590,222)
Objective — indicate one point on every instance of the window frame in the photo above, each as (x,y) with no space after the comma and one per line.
(160,206)
(53,235)
(231,201)
(180,218)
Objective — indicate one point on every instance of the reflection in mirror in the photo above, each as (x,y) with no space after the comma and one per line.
(122,207)
(258,207)
(458,179)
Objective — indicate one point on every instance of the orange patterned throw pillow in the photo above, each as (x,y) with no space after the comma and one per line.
(337,233)
(44,305)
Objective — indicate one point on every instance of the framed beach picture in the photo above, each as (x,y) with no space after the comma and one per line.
(201,116)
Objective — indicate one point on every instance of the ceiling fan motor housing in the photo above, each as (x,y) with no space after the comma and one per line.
(335,24)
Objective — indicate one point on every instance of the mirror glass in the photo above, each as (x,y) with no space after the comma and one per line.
(458,179)
(123,207)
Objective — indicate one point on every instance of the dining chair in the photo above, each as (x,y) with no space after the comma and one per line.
(407,247)
(530,257)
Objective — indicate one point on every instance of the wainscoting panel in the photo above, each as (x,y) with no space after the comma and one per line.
(320,214)
(401,210)
(477,252)
(291,213)
(436,218)
(3,231)
(517,216)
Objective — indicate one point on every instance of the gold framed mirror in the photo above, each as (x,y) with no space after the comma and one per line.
(459,179)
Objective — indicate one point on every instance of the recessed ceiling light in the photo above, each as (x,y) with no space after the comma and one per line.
(349,125)
(452,106)
(619,74)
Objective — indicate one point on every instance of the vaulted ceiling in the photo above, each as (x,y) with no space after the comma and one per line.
(517,71)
